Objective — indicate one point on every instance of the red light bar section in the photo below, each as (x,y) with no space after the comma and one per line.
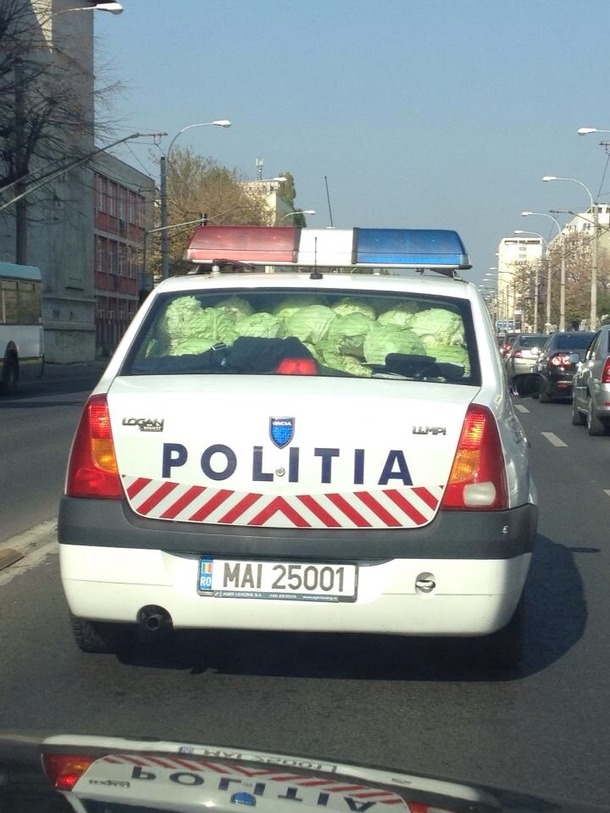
(263,245)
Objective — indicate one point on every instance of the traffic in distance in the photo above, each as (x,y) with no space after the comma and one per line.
(321,421)
(569,366)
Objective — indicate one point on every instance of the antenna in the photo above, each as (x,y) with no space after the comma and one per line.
(259,167)
(330,211)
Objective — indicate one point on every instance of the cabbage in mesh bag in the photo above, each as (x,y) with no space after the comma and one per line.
(237,307)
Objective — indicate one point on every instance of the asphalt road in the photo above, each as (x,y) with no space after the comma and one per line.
(415,705)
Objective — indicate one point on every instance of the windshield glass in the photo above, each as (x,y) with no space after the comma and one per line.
(576,341)
(330,333)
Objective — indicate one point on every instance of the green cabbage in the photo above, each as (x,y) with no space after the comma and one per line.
(384,339)
(398,316)
(292,305)
(310,324)
(264,325)
(348,364)
(347,333)
(346,307)
(444,325)
(190,328)
(236,306)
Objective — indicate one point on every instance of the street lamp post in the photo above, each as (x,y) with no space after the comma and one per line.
(536,279)
(595,213)
(163,190)
(562,278)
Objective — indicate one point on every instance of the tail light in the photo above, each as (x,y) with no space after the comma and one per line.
(93,469)
(606,371)
(561,360)
(478,476)
(64,770)
(297,367)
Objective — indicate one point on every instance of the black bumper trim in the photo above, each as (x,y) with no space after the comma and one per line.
(451,535)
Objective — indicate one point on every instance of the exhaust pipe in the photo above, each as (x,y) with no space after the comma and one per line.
(153,618)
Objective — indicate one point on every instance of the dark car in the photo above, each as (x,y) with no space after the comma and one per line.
(557,362)
(591,386)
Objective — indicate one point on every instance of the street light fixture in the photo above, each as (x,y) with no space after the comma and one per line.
(297,212)
(595,213)
(589,130)
(163,189)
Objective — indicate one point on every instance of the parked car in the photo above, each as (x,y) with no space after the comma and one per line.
(523,353)
(591,386)
(557,362)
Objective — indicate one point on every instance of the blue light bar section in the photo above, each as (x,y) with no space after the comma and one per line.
(416,248)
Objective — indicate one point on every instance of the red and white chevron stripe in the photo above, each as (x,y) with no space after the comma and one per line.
(406,507)
(318,782)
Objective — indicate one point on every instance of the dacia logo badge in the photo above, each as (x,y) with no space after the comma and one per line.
(281,431)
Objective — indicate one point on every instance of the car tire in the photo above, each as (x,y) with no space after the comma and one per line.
(103,637)
(595,427)
(578,419)
(504,649)
(10,375)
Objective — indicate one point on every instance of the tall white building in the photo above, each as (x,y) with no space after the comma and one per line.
(514,253)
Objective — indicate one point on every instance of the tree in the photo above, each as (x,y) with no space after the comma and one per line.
(199,186)
(45,115)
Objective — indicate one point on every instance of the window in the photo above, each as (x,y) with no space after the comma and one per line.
(324,333)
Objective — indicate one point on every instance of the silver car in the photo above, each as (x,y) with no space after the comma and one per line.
(523,353)
(591,385)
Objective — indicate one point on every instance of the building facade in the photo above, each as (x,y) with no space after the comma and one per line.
(516,254)
(123,211)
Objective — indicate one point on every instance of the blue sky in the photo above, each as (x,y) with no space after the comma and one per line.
(419,113)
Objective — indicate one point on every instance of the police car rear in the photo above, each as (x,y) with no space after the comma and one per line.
(314,451)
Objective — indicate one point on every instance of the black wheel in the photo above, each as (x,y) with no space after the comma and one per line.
(504,649)
(104,637)
(578,419)
(594,425)
(10,375)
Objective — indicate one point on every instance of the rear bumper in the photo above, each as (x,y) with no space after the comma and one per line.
(470,597)
(451,535)
(113,564)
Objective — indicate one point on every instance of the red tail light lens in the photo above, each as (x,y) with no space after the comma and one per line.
(93,469)
(606,371)
(64,770)
(478,477)
(297,367)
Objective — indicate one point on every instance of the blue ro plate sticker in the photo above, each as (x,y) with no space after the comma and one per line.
(277,581)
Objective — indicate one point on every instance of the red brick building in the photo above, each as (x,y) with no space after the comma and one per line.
(123,202)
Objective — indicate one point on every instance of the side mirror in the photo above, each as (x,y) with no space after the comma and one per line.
(527,384)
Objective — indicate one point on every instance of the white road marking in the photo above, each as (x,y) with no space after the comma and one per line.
(607,491)
(521,408)
(34,545)
(552,438)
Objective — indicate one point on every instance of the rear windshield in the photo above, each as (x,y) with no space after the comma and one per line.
(532,341)
(576,341)
(325,333)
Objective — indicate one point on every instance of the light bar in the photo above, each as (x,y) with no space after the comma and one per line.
(426,248)
(438,249)
(259,245)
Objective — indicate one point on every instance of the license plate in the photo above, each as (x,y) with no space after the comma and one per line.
(279,581)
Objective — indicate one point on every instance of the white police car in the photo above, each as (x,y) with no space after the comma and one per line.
(325,444)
